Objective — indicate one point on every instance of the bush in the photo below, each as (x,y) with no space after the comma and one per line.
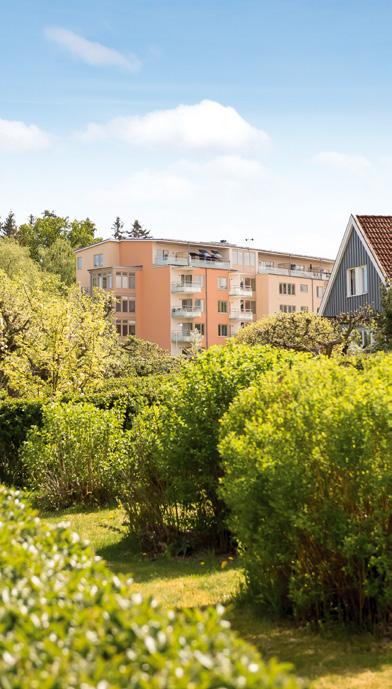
(75,456)
(308,479)
(174,469)
(66,622)
(16,417)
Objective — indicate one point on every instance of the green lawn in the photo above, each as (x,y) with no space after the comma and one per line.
(333,661)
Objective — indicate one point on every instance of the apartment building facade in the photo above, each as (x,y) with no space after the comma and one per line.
(166,291)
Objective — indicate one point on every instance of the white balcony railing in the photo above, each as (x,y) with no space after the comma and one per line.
(315,275)
(238,315)
(187,311)
(186,287)
(240,291)
(189,261)
(179,336)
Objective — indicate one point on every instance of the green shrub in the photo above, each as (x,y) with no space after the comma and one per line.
(67,623)
(308,479)
(174,467)
(75,456)
(16,417)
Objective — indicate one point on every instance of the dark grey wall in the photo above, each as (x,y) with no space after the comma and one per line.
(354,255)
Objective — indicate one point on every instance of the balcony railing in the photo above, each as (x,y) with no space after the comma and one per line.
(186,287)
(315,275)
(190,262)
(187,311)
(240,291)
(238,315)
(179,336)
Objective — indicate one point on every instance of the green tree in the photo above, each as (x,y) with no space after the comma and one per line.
(137,231)
(43,232)
(59,258)
(15,260)
(384,321)
(81,233)
(9,228)
(118,228)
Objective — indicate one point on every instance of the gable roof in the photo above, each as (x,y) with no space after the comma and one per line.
(377,230)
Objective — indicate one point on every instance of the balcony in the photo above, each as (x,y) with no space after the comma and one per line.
(240,291)
(315,275)
(238,315)
(186,312)
(186,287)
(179,336)
(181,259)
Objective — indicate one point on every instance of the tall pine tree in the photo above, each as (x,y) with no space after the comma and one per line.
(137,231)
(9,228)
(117,227)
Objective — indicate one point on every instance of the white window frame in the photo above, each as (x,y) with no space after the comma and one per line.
(360,280)
(98,260)
(79,262)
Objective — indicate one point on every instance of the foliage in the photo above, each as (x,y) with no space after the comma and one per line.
(82,233)
(137,231)
(307,332)
(143,358)
(308,479)
(15,260)
(170,489)
(42,232)
(59,259)
(384,322)
(53,341)
(8,228)
(16,418)
(73,458)
(118,228)
(66,622)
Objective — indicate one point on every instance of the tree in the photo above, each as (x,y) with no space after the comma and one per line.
(59,259)
(43,233)
(137,231)
(15,260)
(9,227)
(117,228)
(307,332)
(81,233)
(384,320)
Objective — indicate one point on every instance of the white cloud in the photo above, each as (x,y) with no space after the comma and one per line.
(343,161)
(205,125)
(18,136)
(90,51)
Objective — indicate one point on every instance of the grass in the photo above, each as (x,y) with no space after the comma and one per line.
(335,660)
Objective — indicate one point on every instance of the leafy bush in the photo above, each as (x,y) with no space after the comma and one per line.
(66,622)
(308,479)
(143,358)
(305,332)
(174,467)
(75,456)
(16,417)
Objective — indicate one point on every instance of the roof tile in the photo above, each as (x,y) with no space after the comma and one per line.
(377,230)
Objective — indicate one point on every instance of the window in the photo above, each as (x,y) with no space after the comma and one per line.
(98,260)
(303,288)
(125,328)
(319,292)
(125,305)
(200,328)
(79,263)
(304,309)
(222,330)
(222,283)
(287,308)
(222,306)
(266,264)
(125,280)
(357,281)
(286,288)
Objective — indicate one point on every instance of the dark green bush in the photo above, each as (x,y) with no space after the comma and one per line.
(75,456)
(308,479)
(67,623)
(174,468)
(16,417)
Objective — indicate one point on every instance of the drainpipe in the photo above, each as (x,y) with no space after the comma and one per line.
(206,300)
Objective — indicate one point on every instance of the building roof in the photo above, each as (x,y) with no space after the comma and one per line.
(377,231)
(221,245)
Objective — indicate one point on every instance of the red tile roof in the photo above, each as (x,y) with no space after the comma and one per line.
(377,230)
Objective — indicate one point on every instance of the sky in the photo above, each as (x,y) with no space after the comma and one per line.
(206,120)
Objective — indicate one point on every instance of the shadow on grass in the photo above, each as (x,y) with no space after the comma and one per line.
(316,655)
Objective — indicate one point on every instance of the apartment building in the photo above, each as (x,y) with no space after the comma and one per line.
(166,290)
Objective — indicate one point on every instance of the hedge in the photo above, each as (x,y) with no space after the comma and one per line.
(67,623)
(307,455)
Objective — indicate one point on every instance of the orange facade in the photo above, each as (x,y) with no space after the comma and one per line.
(172,292)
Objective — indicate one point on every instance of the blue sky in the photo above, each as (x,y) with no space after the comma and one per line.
(209,119)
